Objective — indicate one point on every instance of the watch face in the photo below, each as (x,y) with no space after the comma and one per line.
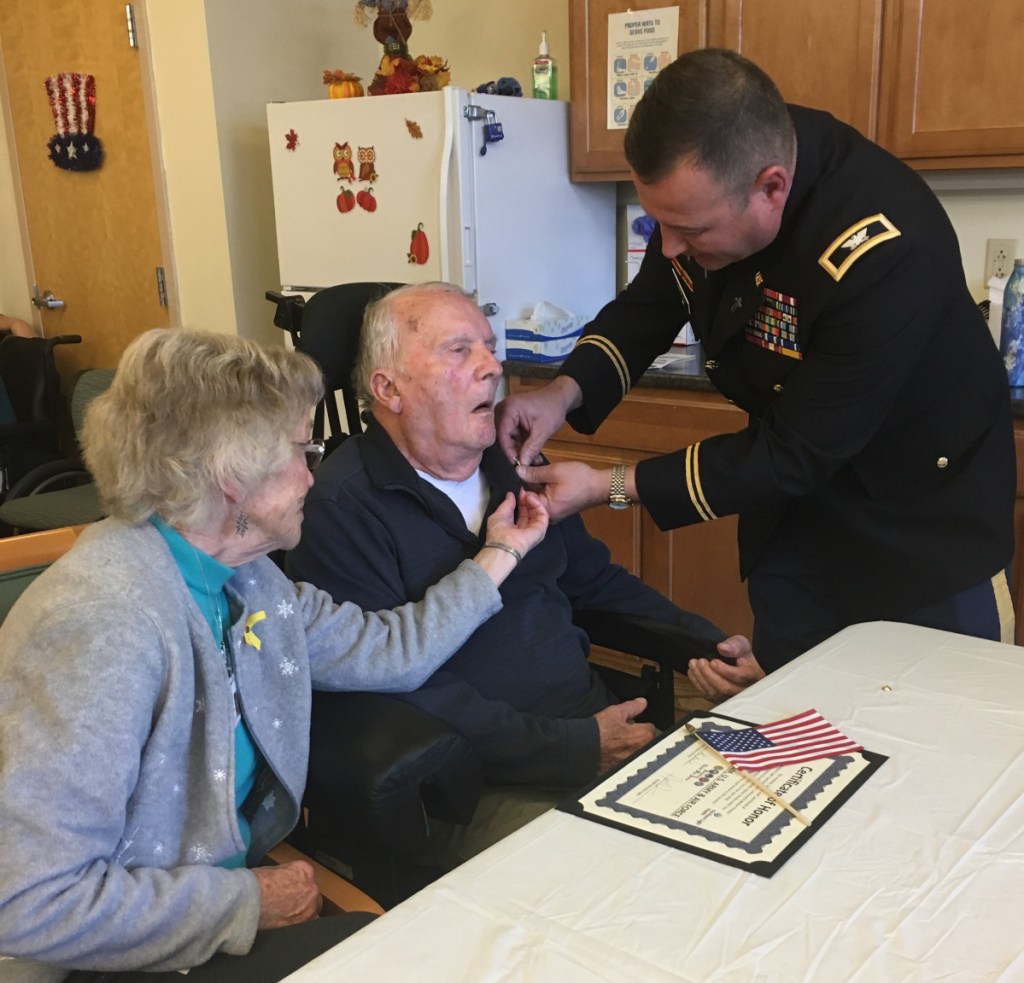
(618,503)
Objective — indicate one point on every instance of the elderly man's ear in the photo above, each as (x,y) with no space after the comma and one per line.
(385,392)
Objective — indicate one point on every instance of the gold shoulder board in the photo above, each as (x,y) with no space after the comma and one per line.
(849,246)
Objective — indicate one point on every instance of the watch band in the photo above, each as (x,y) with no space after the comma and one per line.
(617,498)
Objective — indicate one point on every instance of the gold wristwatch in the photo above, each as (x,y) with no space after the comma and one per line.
(618,499)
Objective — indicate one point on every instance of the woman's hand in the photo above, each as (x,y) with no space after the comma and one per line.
(520,534)
(288,894)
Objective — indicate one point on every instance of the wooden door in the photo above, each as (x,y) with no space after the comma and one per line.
(93,235)
(823,55)
(596,152)
(953,77)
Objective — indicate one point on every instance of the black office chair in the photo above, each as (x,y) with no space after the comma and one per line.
(331,321)
(31,383)
(61,492)
(381,769)
(326,327)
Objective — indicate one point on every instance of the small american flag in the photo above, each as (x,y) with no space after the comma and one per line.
(805,737)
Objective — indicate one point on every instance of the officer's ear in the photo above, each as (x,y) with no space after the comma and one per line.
(773,184)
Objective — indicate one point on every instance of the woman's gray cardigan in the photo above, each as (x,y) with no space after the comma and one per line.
(116,737)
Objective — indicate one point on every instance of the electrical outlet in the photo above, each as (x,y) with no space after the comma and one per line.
(999,255)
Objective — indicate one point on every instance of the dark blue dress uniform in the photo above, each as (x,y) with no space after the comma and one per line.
(876,475)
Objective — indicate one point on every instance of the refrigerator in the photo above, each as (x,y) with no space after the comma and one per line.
(448,185)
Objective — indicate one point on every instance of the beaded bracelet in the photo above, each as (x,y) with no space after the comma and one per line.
(506,548)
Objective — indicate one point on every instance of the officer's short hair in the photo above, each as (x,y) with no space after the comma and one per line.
(716,108)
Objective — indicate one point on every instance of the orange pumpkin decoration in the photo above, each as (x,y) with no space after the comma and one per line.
(342,85)
(419,248)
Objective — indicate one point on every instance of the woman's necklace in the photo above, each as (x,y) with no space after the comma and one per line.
(222,638)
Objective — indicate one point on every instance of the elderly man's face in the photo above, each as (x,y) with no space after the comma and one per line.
(446,381)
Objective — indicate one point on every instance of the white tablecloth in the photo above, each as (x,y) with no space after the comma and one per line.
(919,876)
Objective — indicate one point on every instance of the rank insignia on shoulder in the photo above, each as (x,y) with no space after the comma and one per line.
(850,245)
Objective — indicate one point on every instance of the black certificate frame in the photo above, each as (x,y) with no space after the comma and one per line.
(614,782)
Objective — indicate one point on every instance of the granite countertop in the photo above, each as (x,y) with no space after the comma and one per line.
(686,372)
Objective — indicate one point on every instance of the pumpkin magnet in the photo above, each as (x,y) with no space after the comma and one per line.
(291,140)
(366,201)
(346,201)
(419,249)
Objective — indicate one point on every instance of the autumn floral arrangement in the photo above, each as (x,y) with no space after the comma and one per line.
(399,71)
(396,74)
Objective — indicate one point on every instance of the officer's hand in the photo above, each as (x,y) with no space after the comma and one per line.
(716,680)
(525,421)
(567,487)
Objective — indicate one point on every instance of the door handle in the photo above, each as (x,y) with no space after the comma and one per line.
(47,299)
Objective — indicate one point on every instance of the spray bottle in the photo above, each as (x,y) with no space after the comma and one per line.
(545,72)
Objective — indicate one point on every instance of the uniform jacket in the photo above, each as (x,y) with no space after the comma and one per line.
(116,738)
(879,438)
(520,688)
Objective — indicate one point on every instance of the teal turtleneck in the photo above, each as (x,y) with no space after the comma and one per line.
(205,578)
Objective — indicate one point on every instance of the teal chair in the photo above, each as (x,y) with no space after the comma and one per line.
(23,558)
(59,493)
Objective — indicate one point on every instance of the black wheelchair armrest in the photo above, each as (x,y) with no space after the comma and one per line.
(379,766)
(669,645)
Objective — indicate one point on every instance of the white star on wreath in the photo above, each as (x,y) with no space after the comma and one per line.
(200,854)
(285,610)
(200,706)
(287,667)
(220,775)
(278,723)
(269,801)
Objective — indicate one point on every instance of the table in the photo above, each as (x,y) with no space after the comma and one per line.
(919,876)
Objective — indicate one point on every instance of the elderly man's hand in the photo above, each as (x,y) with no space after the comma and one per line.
(716,680)
(288,894)
(618,733)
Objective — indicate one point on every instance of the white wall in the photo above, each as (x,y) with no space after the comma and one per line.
(982,205)
(240,56)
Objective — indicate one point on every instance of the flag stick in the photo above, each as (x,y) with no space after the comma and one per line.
(750,778)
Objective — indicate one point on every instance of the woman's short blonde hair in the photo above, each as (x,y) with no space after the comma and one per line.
(190,414)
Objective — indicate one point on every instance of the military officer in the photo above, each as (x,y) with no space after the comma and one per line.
(875,478)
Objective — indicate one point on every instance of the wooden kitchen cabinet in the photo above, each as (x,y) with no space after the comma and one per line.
(935,82)
(1017,578)
(595,151)
(953,94)
(696,566)
(824,55)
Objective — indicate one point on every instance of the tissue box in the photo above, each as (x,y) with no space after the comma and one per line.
(548,335)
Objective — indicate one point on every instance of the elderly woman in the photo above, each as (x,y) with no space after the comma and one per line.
(155,682)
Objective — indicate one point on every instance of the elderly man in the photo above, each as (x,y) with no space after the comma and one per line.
(396,508)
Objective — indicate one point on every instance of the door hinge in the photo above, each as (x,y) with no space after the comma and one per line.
(133,39)
(161,286)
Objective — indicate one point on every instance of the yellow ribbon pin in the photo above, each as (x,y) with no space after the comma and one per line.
(248,635)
